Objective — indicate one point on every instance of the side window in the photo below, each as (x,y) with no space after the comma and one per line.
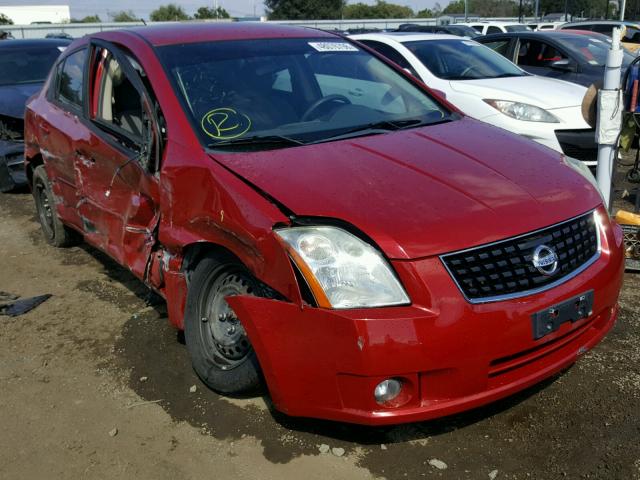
(478,28)
(391,53)
(500,46)
(282,81)
(493,29)
(606,29)
(533,53)
(70,79)
(116,101)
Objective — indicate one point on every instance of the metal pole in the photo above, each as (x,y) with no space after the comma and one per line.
(466,10)
(520,12)
(537,8)
(609,117)
(623,6)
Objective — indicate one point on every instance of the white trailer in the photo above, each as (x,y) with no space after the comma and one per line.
(30,14)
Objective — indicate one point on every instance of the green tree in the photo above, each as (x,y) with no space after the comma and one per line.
(169,13)
(380,9)
(4,20)
(87,19)
(204,13)
(456,6)
(124,16)
(426,13)
(304,9)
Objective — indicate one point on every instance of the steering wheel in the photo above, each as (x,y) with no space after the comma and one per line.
(308,114)
(467,70)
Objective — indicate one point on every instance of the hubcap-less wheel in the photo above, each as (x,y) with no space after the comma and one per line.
(221,332)
(44,210)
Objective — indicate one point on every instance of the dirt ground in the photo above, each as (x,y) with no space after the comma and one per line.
(96,357)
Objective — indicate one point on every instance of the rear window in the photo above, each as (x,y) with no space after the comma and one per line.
(517,28)
(26,65)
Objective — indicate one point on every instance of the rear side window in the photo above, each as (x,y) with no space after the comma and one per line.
(71,79)
(500,46)
(391,53)
(493,29)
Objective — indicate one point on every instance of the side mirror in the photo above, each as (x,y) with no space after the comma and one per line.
(564,65)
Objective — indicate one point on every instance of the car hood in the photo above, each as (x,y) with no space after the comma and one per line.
(548,93)
(14,97)
(423,191)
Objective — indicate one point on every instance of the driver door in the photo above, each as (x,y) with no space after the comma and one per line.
(115,163)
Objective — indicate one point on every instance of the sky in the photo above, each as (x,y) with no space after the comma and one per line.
(237,8)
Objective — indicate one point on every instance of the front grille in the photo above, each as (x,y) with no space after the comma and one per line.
(505,269)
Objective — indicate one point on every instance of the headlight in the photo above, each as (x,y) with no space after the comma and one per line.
(583,170)
(342,270)
(522,111)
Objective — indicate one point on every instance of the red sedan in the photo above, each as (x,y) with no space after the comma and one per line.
(318,221)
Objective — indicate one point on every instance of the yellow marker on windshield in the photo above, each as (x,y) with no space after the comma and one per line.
(225,123)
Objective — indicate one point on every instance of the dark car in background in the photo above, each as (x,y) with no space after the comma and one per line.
(458,30)
(24,66)
(574,56)
(630,34)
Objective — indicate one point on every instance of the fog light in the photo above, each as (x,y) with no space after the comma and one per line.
(387,390)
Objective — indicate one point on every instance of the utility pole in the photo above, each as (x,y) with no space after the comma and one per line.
(466,10)
(520,12)
(609,117)
(537,8)
(623,6)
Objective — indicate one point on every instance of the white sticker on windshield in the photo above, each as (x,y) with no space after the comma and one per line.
(593,62)
(333,47)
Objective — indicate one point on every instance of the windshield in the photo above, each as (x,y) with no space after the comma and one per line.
(462,60)
(517,28)
(592,50)
(295,90)
(26,65)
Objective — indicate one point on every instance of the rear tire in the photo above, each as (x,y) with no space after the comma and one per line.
(221,353)
(55,232)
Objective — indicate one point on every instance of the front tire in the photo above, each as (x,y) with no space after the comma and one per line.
(221,353)
(55,232)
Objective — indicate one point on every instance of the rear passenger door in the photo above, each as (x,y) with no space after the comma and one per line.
(116,163)
(60,128)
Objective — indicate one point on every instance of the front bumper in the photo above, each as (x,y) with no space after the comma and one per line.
(571,136)
(450,354)
(12,173)
(579,144)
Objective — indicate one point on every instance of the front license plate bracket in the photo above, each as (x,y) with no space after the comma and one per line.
(549,320)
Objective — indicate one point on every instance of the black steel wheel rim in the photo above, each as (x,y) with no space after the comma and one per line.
(222,335)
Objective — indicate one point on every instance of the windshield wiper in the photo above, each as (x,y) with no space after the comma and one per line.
(507,75)
(382,126)
(257,141)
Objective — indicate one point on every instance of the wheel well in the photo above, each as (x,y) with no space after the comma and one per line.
(194,252)
(32,164)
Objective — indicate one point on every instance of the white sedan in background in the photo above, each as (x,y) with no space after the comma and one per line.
(488,87)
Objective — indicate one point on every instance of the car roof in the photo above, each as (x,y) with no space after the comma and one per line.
(402,37)
(546,33)
(491,22)
(192,32)
(600,22)
(35,42)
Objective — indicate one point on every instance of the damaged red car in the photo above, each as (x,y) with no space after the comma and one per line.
(319,222)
